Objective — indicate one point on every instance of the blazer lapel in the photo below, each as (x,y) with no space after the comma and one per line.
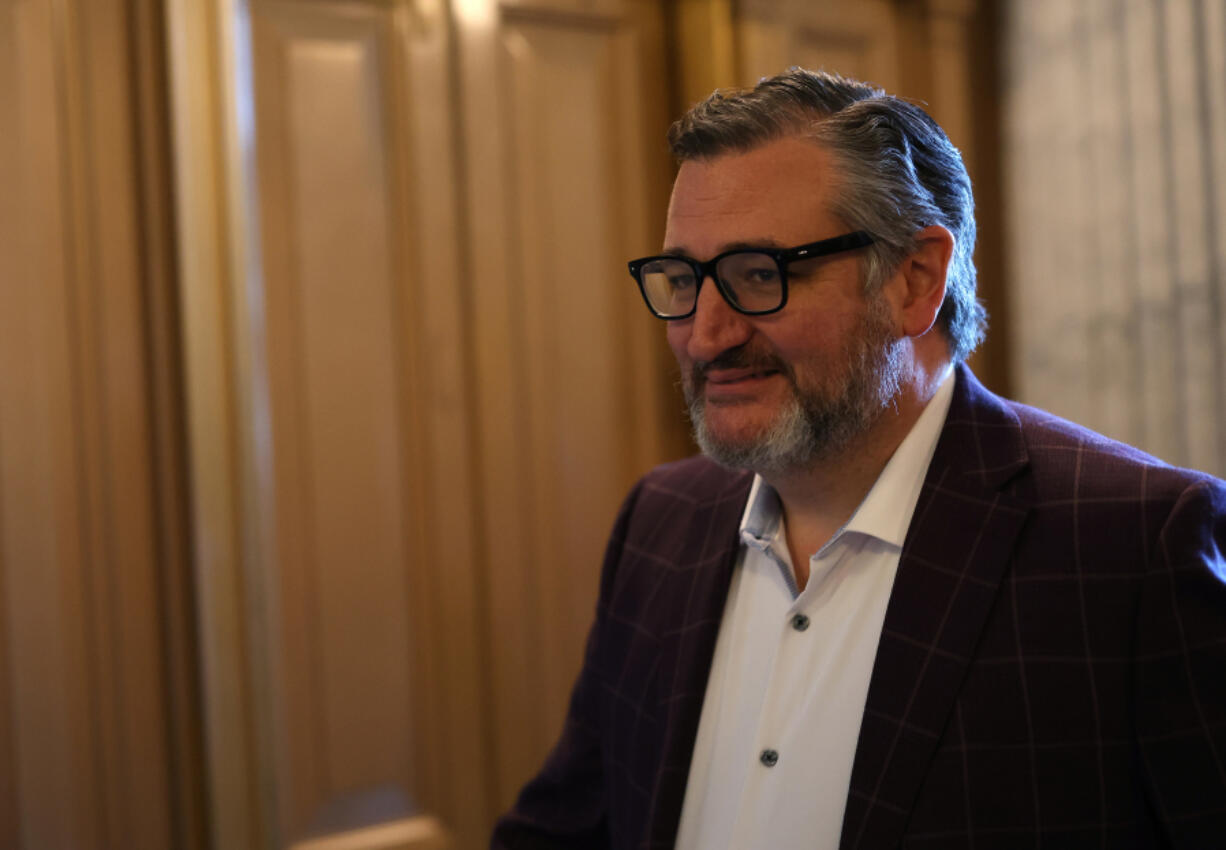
(956,551)
(697,590)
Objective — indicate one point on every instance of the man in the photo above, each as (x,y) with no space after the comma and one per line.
(888,608)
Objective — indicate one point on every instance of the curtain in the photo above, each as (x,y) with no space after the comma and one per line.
(1115,174)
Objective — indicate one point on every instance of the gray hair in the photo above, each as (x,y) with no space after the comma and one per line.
(899,172)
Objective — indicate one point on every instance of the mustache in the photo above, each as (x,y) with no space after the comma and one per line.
(741,357)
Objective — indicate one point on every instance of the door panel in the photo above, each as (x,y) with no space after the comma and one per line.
(564,186)
(359,304)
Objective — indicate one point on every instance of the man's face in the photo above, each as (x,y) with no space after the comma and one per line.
(781,391)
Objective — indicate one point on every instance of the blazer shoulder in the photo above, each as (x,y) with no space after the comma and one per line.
(1066,456)
(1049,462)
(682,514)
(695,480)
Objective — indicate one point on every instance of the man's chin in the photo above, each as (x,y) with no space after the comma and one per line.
(735,435)
(765,447)
(732,434)
(758,457)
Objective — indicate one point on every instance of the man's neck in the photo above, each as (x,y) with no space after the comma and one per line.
(818,501)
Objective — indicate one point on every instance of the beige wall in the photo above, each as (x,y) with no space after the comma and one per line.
(1116,134)
(321,379)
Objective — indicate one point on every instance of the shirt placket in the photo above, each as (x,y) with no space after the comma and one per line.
(770,748)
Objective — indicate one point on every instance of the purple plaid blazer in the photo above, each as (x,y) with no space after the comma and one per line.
(1051,672)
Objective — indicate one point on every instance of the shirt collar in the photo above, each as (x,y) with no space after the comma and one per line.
(886,511)
(762,516)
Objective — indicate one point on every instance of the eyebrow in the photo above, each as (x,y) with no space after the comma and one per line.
(761,245)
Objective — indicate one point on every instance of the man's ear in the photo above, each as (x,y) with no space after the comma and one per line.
(923,279)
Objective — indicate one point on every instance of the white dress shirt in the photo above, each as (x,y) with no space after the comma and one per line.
(781,714)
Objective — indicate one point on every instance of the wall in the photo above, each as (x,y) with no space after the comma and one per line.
(1115,132)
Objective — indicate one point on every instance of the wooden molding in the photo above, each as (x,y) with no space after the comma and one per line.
(211,219)
(419,833)
(168,426)
(84,686)
(705,34)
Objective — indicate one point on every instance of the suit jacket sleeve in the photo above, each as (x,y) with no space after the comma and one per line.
(1180,674)
(565,805)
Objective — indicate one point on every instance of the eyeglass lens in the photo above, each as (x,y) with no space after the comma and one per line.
(751,281)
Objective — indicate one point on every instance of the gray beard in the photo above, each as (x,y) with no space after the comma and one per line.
(814,425)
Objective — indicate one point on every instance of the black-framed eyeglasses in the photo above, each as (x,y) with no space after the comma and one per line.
(752,281)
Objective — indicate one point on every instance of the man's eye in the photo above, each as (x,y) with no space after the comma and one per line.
(680,281)
(759,276)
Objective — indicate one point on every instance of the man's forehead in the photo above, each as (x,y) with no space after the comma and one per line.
(775,194)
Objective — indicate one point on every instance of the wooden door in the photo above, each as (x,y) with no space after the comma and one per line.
(412,341)
(564,107)
(96,682)
(341,664)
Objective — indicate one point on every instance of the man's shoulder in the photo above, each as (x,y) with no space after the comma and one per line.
(1050,436)
(1062,458)
(681,517)
(690,498)
(695,479)
(1057,445)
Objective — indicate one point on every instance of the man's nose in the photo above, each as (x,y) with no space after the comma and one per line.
(716,326)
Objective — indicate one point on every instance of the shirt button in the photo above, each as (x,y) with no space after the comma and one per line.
(769,758)
(800,622)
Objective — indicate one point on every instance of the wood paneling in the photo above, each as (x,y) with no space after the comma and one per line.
(329,298)
(859,40)
(327,384)
(340,299)
(704,46)
(211,223)
(556,98)
(43,559)
(83,683)
(164,362)
(334,333)
(420,833)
